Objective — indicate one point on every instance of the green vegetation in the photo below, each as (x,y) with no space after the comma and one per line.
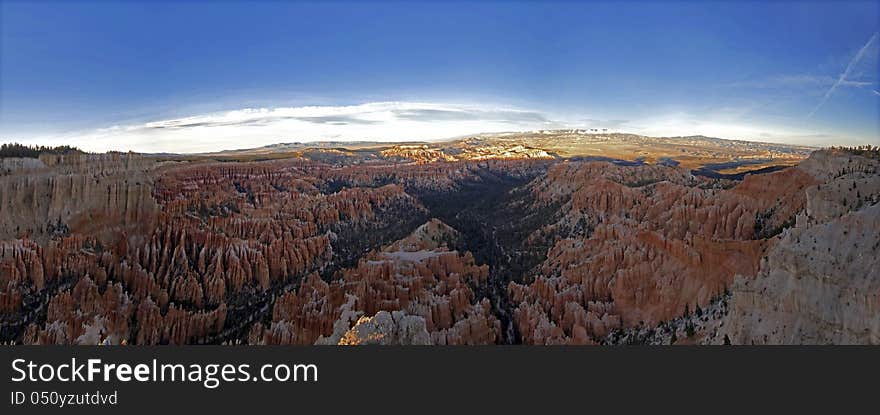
(763,228)
(864,151)
(21,150)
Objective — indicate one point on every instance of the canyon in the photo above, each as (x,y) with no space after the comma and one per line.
(540,238)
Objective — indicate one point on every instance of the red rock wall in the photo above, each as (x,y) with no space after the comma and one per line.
(661,240)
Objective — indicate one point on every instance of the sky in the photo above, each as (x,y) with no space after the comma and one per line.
(199,76)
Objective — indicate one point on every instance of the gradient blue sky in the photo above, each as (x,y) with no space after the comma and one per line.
(199,76)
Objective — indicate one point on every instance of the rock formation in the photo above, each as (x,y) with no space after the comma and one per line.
(339,246)
(638,245)
(394,328)
(417,279)
(820,284)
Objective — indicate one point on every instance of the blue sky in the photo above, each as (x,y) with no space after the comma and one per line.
(198,76)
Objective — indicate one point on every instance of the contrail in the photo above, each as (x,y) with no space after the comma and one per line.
(845,74)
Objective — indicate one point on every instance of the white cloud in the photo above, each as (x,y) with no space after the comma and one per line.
(724,125)
(684,125)
(253,127)
(399,121)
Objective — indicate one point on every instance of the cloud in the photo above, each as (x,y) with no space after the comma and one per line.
(685,124)
(610,124)
(842,79)
(472,114)
(253,127)
(400,121)
(798,81)
(819,81)
(722,125)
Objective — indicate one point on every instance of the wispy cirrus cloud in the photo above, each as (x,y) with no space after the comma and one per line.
(731,123)
(820,81)
(798,81)
(363,114)
(842,79)
(400,121)
(251,127)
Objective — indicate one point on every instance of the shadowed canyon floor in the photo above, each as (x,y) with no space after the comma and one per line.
(557,237)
